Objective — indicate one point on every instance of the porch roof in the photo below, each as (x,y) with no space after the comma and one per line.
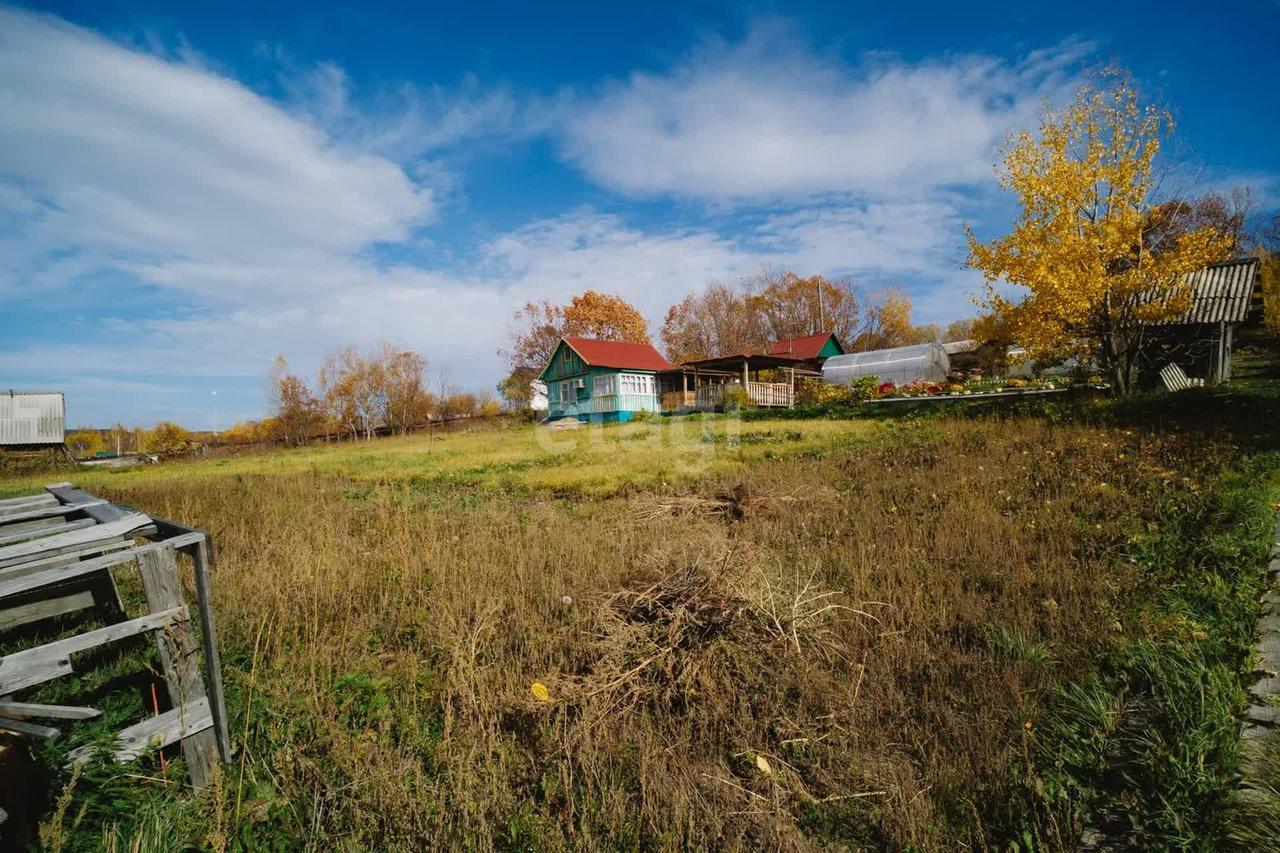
(733,362)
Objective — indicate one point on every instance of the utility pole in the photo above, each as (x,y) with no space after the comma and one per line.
(822,317)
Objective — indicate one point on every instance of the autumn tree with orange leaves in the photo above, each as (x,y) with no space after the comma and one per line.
(538,326)
(887,322)
(717,321)
(790,306)
(298,413)
(1089,277)
(724,319)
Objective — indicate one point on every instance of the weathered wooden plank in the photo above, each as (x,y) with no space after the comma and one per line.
(12,586)
(30,729)
(203,556)
(51,712)
(17,499)
(17,669)
(45,531)
(179,657)
(14,505)
(6,521)
(32,566)
(38,673)
(23,551)
(158,731)
(12,530)
(141,532)
(25,614)
(101,513)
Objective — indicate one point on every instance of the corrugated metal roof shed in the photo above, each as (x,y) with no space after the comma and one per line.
(1220,293)
(32,417)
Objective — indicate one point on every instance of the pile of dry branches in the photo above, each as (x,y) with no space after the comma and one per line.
(732,504)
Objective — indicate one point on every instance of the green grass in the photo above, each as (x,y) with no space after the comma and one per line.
(1146,747)
(594,459)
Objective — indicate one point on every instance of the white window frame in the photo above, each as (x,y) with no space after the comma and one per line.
(568,394)
(638,384)
(604,386)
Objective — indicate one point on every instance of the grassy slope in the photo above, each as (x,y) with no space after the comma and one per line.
(876,610)
(595,459)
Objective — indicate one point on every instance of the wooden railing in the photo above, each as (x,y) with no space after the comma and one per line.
(767,394)
(771,394)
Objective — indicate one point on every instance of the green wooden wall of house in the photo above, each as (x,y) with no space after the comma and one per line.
(579,390)
(830,348)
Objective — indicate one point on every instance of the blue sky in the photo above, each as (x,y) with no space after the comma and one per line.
(187,192)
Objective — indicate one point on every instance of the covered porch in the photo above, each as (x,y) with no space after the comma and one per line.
(701,385)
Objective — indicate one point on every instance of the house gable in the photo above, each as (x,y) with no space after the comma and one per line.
(565,363)
(808,347)
(831,347)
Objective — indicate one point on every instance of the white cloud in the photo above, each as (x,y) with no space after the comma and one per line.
(459,318)
(140,159)
(250,220)
(407,121)
(769,118)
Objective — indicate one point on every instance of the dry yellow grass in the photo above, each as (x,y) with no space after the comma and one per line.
(739,651)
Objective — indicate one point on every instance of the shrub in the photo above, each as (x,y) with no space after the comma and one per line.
(736,397)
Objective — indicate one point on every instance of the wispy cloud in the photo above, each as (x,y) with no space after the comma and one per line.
(769,117)
(406,122)
(134,159)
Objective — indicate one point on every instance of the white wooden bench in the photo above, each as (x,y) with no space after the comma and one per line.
(1176,379)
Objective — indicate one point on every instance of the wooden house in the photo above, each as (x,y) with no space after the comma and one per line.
(809,350)
(599,381)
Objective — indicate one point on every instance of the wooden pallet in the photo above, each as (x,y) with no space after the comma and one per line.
(57,554)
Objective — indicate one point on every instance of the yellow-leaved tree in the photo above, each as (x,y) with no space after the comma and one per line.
(1088,280)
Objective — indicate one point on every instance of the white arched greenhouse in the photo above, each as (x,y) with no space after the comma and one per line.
(899,365)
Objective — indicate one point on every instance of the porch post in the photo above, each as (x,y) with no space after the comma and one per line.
(1220,368)
(745,380)
(1226,353)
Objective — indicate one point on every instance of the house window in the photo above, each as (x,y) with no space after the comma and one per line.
(568,394)
(637,383)
(602,386)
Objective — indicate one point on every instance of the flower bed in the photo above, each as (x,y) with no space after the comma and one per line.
(868,388)
(981,386)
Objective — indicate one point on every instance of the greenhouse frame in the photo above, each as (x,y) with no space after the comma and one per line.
(900,365)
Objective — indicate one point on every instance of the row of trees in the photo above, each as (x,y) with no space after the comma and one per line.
(724,318)
(749,316)
(356,394)
(164,439)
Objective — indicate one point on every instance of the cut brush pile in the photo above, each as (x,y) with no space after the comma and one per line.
(705,653)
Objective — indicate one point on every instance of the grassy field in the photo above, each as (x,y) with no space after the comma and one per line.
(515,457)
(934,632)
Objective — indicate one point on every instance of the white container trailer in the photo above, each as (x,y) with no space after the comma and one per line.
(32,418)
(899,365)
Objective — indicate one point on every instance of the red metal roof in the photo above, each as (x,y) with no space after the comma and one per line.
(805,347)
(622,354)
